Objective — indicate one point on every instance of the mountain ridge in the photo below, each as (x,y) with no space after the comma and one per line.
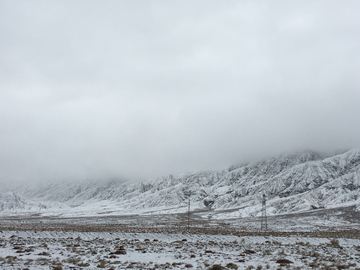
(298,181)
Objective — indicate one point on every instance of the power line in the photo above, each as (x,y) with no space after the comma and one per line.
(189,214)
(263,214)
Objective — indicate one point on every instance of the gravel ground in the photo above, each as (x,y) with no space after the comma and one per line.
(115,250)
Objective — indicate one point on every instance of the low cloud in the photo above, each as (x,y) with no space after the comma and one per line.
(139,90)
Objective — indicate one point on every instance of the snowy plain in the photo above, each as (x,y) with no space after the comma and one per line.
(94,250)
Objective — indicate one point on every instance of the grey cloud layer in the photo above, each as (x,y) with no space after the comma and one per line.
(145,88)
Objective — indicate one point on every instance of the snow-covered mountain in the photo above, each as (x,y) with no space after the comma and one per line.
(294,182)
(12,203)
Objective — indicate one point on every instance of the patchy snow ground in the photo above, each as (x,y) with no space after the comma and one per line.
(93,250)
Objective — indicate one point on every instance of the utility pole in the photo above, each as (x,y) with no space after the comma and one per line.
(263,214)
(189,214)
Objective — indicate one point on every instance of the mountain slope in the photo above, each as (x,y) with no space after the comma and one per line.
(294,182)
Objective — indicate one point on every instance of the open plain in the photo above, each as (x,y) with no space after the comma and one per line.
(168,242)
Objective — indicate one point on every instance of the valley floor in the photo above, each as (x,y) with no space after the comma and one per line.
(336,222)
(322,239)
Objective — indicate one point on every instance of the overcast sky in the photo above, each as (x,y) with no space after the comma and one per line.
(141,89)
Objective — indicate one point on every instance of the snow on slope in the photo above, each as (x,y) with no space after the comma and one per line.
(295,182)
(12,203)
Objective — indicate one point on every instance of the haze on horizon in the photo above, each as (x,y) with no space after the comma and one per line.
(141,89)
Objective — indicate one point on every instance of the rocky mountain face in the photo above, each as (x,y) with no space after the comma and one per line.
(295,182)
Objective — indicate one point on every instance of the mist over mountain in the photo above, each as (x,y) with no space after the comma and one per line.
(294,182)
(95,90)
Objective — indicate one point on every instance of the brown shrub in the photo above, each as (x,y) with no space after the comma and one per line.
(216,267)
(232,266)
(284,261)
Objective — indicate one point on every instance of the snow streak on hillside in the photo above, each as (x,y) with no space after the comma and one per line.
(295,182)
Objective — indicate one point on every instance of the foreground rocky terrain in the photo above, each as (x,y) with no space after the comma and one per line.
(292,241)
(95,250)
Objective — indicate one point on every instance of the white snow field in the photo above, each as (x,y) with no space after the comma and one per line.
(95,250)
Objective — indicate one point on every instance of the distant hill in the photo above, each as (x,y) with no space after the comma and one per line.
(293,182)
